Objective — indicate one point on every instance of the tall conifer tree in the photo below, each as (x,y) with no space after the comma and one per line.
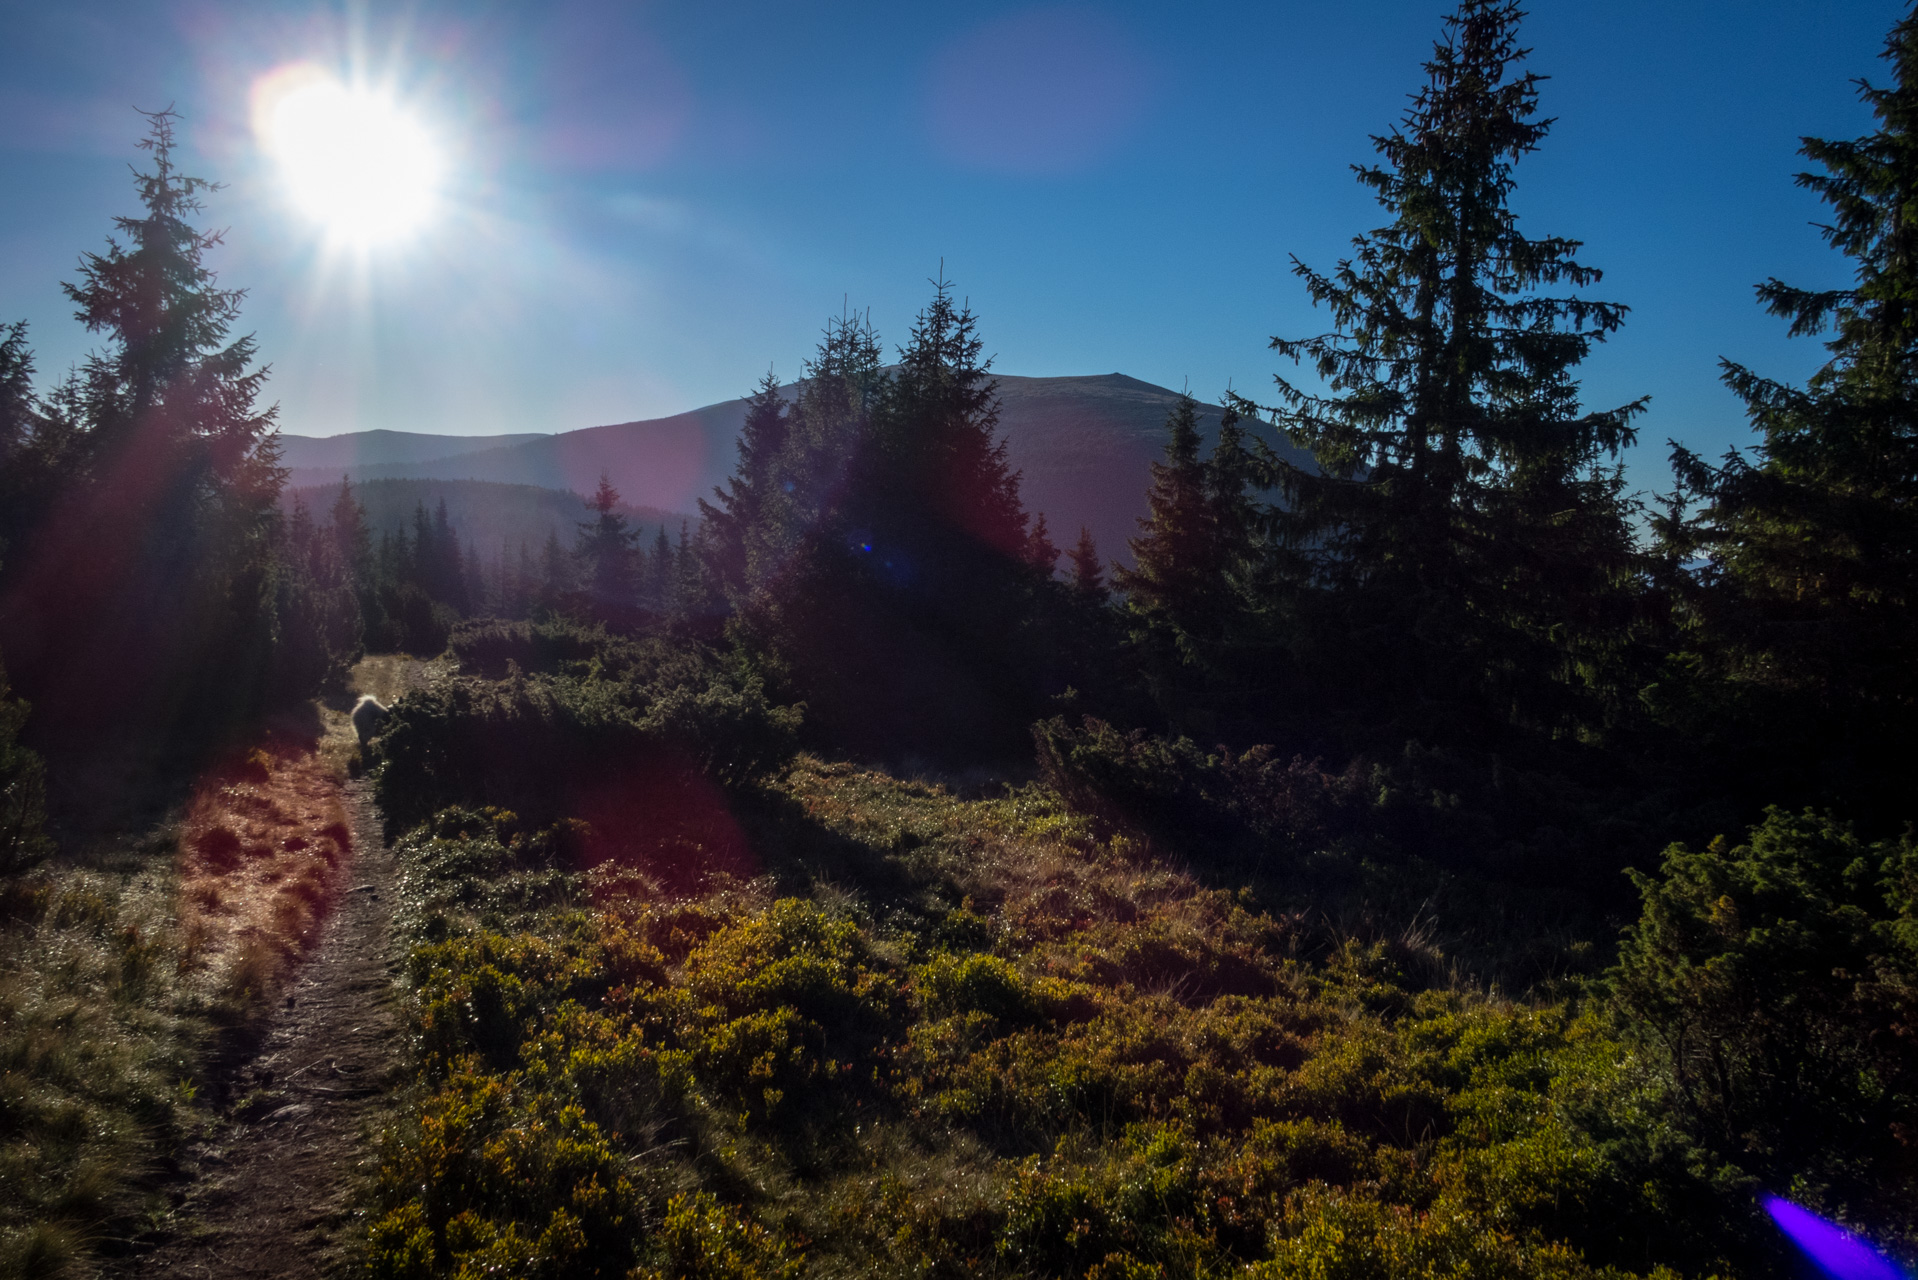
(1461,557)
(1812,544)
(1088,577)
(151,589)
(605,550)
(742,503)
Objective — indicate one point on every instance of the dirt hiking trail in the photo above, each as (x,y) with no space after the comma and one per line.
(271,1188)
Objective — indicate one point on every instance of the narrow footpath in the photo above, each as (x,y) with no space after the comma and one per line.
(274,1195)
(272,1189)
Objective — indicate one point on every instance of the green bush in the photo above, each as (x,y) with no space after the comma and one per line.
(1777,981)
(1168,785)
(636,761)
(492,646)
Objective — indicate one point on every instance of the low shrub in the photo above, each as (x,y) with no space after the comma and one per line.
(639,762)
(1776,981)
(492,647)
(1168,785)
(1014,1048)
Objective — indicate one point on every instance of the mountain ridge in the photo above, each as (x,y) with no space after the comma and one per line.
(1083,444)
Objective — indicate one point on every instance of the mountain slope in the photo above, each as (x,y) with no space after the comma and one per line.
(358,449)
(1083,444)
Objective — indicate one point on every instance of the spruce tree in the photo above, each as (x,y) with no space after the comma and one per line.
(151,589)
(351,540)
(660,574)
(1088,577)
(1176,586)
(1041,552)
(1810,595)
(555,576)
(526,583)
(449,564)
(800,528)
(1460,558)
(936,470)
(889,572)
(18,417)
(604,548)
(743,503)
(481,596)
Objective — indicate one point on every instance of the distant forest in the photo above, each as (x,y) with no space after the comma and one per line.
(1437,860)
(486,515)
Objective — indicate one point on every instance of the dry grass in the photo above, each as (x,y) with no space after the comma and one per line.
(94,1053)
(263,847)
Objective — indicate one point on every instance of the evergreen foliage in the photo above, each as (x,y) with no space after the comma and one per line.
(746,501)
(145,584)
(1088,576)
(23,790)
(1342,994)
(604,549)
(1777,981)
(1187,583)
(1461,559)
(875,549)
(1806,604)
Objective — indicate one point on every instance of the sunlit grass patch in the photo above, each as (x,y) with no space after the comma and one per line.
(96,1056)
(264,844)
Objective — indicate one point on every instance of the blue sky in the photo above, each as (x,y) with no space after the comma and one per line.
(650,204)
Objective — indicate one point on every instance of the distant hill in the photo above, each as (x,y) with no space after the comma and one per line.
(485,513)
(1084,444)
(356,449)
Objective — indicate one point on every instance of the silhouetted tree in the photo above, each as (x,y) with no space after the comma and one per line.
(604,549)
(743,504)
(148,597)
(1088,577)
(1176,587)
(1809,599)
(1461,557)
(1041,553)
(555,575)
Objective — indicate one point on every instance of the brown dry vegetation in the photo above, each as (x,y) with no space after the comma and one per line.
(262,849)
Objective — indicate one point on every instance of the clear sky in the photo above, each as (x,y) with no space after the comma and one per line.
(646,205)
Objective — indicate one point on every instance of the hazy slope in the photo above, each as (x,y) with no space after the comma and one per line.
(1084,445)
(358,449)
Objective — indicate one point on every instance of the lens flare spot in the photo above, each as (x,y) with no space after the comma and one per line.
(1837,1252)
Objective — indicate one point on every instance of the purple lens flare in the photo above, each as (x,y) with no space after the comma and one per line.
(1836,1251)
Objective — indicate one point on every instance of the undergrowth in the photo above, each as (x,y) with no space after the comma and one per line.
(920,1035)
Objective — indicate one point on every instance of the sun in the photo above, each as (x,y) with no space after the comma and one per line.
(355,160)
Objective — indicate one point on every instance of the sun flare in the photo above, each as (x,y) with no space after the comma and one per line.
(354,159)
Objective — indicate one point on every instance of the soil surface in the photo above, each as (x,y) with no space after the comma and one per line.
(273,1188)
(275,1180)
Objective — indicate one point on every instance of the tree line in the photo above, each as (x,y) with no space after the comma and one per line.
(1461,564)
